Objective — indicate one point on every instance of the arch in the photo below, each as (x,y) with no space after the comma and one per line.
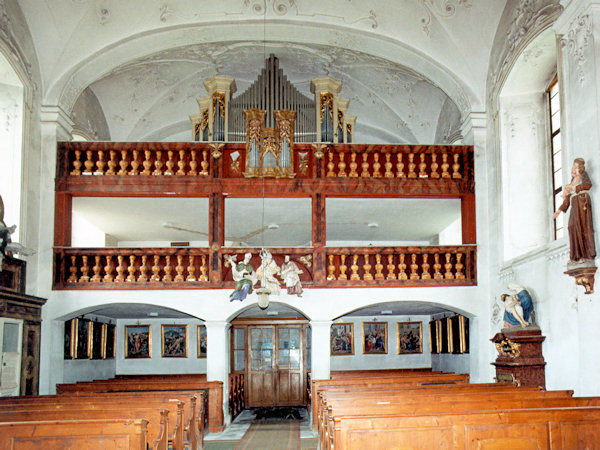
(410,308)
(273,306)
(67,87)
(142,309)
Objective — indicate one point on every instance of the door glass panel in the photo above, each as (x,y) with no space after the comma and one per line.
(256,338)
(267,338)
(284,358)
(256,360)
(294,338)
(238,338)
(267,360)
(10,338)
(294,359)
(284,337)
(239,362)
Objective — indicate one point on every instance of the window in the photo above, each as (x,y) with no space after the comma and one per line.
(556,148)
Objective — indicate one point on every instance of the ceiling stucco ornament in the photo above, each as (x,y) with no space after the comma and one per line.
(442,9)
(103,15)
(577,41)
(8,37)
(527,19)
(283,7)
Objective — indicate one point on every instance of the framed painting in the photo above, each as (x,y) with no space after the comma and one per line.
(109,341)
(410,338)
(138,341)
(83,339)
(342,339)
(433,341)
(174,341)
(201,341)
(374,338)
(70,333)
(98,336)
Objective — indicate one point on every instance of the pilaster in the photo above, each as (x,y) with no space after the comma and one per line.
(217,358)
(321,364)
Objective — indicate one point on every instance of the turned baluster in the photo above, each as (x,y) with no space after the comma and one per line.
(108,270)
(456,167)
(425,275)
(131,269)
(330,166)
(376,166)
(354,268)
(388,166)
(193,164)
(191,270)
(135,163)
(434,166)
(445,166)
(203,270)
(181,163)
(179,269)
(147,163)
(155,269)
(158,164)
(89,164)
(167,277)
(402,268)
(411,166)
(112,163)
(414,267)
(331,268)
(120,278)
(204,163)
(437,275)
(73,269)
(365,166)
(342,165)
(399,166)
(448,266)
(391,268)
(170,163)
(77,163)
(143,270)
(96,278)
(100,164)
(85,269)
(343,268)
(459,267)
(123,163)
(422,166)
(353,165)
(378,267)
(367,268)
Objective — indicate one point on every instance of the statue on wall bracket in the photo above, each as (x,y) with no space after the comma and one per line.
(518,307)
(269,151)
(582,249)
(7,247)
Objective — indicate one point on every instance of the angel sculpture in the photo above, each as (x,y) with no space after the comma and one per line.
(243,275)
(290,274)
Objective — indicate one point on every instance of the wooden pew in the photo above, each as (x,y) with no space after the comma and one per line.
(214,388)
(373,382)
(112,406)
(80,434)
(338,374)
(543,428)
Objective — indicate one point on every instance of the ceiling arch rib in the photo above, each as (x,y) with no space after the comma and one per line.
(74,80)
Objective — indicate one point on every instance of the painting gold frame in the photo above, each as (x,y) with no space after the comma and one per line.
(142,353)
(343,327)
(201,330)
(405,340)
(177,348)
(374,348)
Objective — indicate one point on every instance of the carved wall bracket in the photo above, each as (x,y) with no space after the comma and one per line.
(584,276)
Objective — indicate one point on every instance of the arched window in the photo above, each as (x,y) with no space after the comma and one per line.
(553,93)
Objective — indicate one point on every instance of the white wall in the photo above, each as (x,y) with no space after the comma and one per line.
(87,369)
(391,360)
(157,364)
(448,362)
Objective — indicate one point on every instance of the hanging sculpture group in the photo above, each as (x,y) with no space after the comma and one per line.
(266,274)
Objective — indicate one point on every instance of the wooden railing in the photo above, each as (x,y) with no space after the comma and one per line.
(237,399)
(197,268)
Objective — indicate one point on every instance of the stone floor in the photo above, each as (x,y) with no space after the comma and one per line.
(236,430)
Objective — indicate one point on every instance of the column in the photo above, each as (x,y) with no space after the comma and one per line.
(320,349)
(56,125)
(578,30)
(217,358)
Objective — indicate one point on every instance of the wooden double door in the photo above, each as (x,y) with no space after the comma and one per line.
(275,369)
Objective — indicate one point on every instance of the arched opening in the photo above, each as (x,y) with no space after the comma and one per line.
(11,136)
(401,335)
(271,349)
(103,341)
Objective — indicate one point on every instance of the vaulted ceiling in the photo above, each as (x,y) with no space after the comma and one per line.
(412,69)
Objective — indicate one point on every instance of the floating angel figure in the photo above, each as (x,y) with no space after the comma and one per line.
(243,275)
